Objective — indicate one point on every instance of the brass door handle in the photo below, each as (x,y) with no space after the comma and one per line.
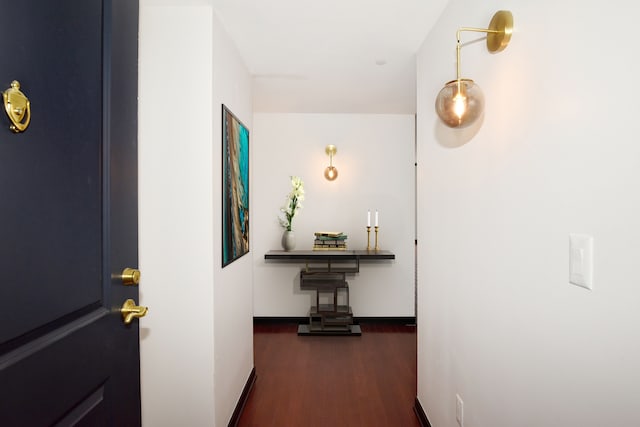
(130,310)
(17,107)
(130,276)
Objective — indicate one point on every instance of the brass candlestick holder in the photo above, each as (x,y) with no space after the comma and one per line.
(368,237)
(377,247)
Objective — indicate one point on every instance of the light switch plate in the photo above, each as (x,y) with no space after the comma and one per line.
(581,260)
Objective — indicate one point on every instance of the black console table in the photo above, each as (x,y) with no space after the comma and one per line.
(325,272)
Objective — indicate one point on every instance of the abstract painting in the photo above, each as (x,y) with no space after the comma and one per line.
(235,188)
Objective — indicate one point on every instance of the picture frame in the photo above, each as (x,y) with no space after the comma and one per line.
(235,188)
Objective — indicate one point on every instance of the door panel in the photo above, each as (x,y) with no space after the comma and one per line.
(51,173)
(68,222)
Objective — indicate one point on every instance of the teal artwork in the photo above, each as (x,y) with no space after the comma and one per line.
(235,188)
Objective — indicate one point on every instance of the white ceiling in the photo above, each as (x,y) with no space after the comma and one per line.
(330,56)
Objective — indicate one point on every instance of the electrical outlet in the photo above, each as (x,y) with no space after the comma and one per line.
(459,410)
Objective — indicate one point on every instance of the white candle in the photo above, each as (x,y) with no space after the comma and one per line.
(368,218)
(376,218)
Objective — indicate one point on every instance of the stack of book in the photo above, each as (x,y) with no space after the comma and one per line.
(330,241)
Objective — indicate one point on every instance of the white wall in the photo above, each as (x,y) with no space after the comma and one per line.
(375,160)
(557,153)
(175,211)
(196,341)
(233,284)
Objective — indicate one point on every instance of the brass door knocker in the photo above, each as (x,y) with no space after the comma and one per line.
(17,107)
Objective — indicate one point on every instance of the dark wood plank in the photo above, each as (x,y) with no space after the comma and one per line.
(331,380)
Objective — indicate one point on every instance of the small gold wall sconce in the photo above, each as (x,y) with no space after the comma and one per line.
(330,172)
(461,102)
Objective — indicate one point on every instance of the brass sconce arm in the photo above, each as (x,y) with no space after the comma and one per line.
(498,34)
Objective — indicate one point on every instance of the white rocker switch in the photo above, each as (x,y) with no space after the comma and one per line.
(581,260)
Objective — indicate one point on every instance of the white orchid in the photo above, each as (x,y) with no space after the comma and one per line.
(293,202)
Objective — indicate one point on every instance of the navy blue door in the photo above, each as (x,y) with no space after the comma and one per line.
(68,214)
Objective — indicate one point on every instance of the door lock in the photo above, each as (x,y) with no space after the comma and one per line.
(130,310)
(130,277)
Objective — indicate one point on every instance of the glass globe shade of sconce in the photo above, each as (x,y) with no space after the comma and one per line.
(331,173)
(460,103)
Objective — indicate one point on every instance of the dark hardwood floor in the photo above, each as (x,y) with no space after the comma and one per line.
(320,381)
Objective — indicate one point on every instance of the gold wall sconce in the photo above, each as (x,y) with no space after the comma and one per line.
(330,172)
(461,102)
